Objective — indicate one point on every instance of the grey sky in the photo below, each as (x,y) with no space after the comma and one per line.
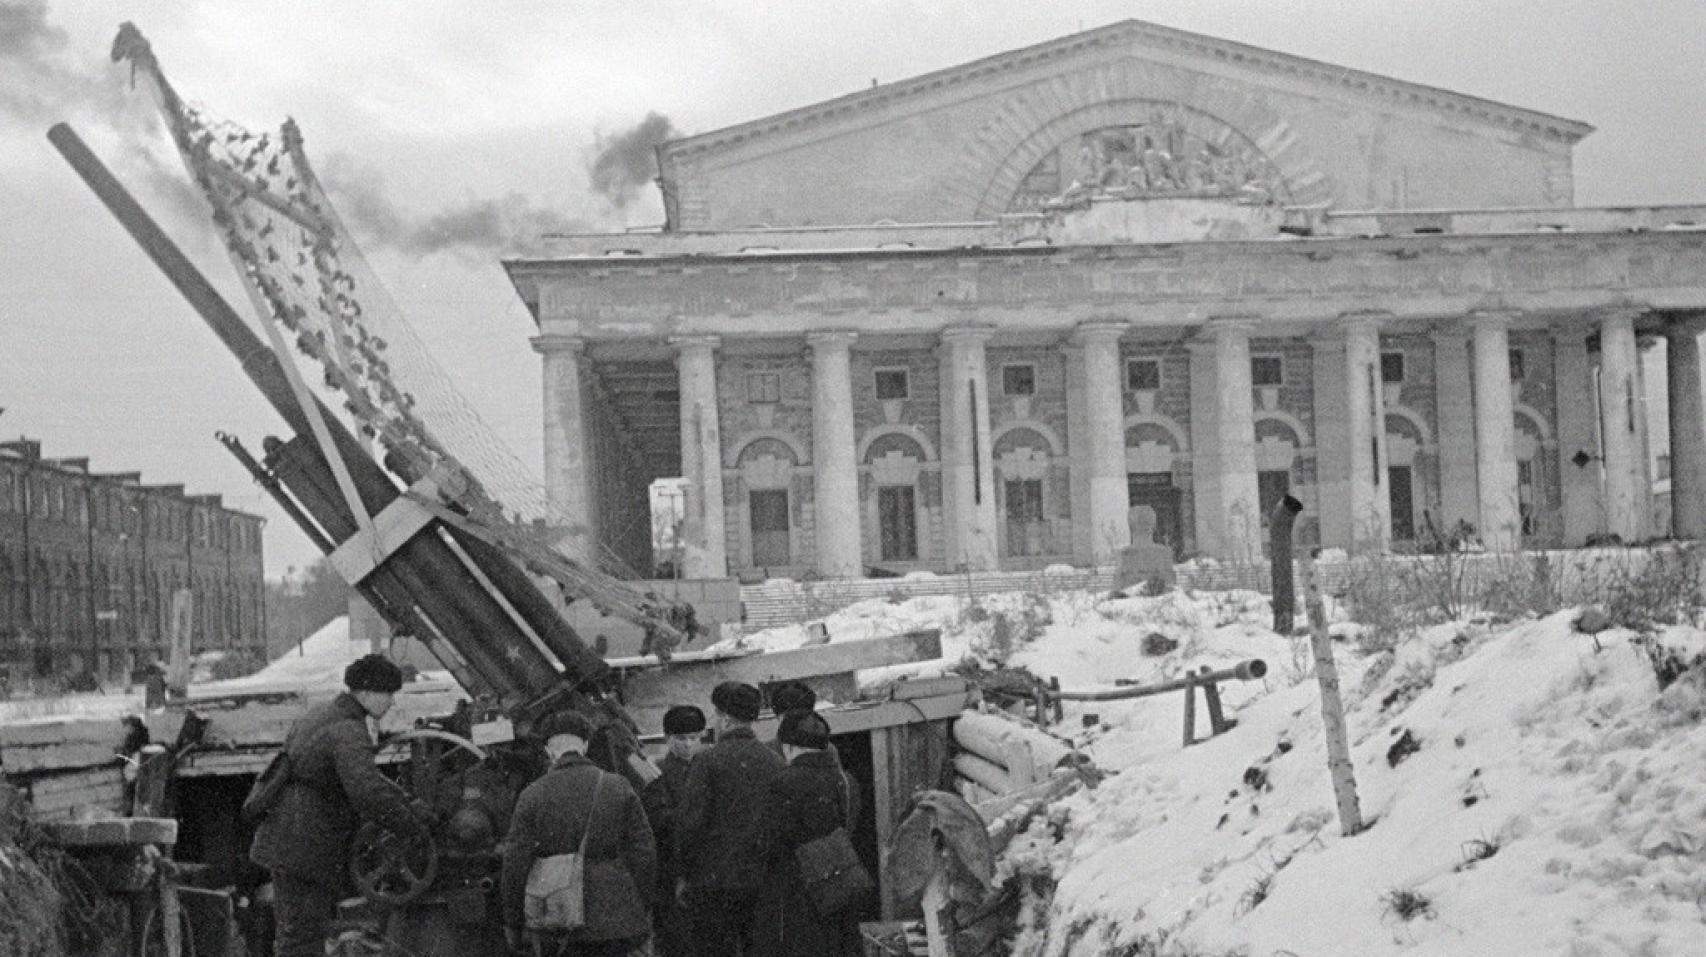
(485,117)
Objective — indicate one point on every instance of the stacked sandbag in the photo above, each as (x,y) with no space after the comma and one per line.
(996,755)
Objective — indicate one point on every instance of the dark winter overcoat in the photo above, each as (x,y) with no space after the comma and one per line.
(808,800)
(662,799)
(333,786)
(550,817)
(720,828)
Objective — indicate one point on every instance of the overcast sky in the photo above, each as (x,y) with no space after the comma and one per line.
(464,128)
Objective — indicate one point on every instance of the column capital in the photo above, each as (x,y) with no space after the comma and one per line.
(1618,314)
(831,339)
(978,334)
(684,344)
(1685,323)
(548,344)
(1361,319)
(1492,317)
(1098,331)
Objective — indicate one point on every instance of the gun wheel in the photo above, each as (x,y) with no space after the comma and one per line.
(390,867)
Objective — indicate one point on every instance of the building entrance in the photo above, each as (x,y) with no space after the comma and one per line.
(1156,490)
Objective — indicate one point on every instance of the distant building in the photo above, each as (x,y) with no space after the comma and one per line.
(969,319)
(89,563)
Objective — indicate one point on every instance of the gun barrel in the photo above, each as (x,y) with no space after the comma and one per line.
(1250,670)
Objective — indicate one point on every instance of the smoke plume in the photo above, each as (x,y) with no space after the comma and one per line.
(474,227)
(43,82)
(628,161)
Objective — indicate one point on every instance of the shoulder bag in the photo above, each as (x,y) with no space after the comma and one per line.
(556,886)
(834,877)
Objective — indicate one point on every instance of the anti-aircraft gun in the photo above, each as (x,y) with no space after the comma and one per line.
(431,536)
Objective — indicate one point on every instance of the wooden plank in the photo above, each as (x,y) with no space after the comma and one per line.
(927,687)
(692,680)
(880,714)
(887,810)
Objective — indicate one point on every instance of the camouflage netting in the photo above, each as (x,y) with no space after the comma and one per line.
(30,904)
(310,281)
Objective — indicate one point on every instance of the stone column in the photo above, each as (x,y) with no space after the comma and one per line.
(1228,524)
(1495,433)
(1454,408)
(1368,498)
(835,473)
(568,473)
(1580,483)
(701,457)
(1104,440)
(1620,426)
(968,481)
(1687,426)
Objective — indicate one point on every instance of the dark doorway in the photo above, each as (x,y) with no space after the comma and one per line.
(854,753)
(1156,490)
(1402,498)
(770,545)
(1026,533)
(897,523)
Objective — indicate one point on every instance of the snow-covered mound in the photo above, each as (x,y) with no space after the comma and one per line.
(1529,789)
(319,661)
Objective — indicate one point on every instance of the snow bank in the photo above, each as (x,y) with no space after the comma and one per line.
(319,661)
(1542,796)
(1555,804)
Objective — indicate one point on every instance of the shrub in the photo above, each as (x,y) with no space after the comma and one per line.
(1407,904)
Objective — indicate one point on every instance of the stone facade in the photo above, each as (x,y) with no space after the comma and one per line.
(1130,267)
(89,564)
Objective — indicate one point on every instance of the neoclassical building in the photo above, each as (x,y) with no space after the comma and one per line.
(967,320)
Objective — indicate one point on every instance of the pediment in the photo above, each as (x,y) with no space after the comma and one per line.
(988,137)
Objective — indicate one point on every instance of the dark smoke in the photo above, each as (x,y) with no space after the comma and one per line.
(628,161)
(42,83)
(476,227)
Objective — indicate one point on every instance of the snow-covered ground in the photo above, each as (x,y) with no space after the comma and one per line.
(1554,803)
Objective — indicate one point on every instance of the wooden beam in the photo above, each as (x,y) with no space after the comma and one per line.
(886,812)
(690,676)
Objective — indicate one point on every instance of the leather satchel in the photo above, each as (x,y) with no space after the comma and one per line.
(835,878)
(556,895)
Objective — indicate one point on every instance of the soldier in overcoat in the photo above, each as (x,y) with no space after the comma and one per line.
(577,799)
(333,785)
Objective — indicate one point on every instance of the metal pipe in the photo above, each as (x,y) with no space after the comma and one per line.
(1250,670)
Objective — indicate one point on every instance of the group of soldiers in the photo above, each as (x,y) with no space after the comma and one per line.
(698,863)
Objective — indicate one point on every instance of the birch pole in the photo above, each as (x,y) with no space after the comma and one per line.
(1332,705)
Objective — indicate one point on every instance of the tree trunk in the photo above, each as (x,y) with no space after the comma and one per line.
(1332,705)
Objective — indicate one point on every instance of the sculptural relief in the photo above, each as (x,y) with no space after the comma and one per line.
(1171,153)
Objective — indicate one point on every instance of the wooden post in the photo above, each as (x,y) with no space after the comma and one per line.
(1190,708)
(882,788)
(1054,688)
(1332,706)
(171,930)
(935,901)
(1217,722)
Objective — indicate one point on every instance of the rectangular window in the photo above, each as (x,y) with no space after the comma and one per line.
(1019,380)
(1517,371)
(897,523)
(1391,367)
(764,388)
(1401,495)
(770,545)
(1525,495)
(1266,371)
(1026,530)
(1142,375)
(892,384)
(1272,485)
